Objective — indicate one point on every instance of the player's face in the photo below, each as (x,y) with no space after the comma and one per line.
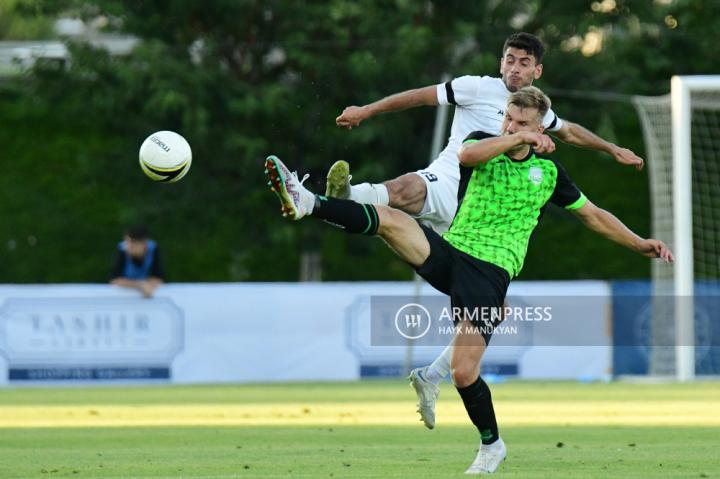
(519,68)
(521,119)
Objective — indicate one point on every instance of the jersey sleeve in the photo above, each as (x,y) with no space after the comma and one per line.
(566,194)
(551,121)
(459,91)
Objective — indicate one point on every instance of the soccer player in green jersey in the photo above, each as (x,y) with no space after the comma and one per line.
(505,184)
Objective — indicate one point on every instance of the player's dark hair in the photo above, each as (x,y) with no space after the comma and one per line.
(138,232)
(528,42)
(530,97)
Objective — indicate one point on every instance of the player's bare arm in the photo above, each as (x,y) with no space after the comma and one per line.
(146,286)
(354,115)
(577,135)
(484,150)
(608,225)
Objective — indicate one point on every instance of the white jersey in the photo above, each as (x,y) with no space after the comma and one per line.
(480,105)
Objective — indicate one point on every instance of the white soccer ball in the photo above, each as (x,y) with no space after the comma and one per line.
(165,156)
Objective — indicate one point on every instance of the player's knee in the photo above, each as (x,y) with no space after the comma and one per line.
(406,190)
(464,374)
(389,219)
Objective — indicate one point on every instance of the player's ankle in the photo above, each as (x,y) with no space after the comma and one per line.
(432,375)
(496,444)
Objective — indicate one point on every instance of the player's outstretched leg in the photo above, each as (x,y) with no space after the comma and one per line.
(337,185)
(296,202)
(406,193)
(396,228)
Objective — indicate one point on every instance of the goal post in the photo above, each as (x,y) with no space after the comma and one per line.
(682,236)
(682,136)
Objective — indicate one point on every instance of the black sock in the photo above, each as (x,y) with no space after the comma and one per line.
(348,215)
(478,403)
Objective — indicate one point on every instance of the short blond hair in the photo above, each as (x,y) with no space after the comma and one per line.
(531,97)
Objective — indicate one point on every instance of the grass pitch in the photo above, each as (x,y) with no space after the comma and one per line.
(364,430)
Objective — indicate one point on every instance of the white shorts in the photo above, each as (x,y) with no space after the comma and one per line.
(442,179)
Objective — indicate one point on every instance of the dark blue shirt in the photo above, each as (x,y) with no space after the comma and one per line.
(148,266)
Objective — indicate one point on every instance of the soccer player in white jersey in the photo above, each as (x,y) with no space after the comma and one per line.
(430,195)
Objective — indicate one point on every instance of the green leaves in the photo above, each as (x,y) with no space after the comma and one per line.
(245,78)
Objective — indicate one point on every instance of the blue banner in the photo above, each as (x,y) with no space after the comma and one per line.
(633,309)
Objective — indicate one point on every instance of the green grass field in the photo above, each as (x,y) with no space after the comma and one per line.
(367,429)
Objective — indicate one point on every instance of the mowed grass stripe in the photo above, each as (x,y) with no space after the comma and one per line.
(352,392)
(449,412)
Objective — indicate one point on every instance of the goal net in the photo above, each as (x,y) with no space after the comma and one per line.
(682,138)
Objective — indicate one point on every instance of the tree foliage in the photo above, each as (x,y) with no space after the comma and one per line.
(22,20)
(244,78)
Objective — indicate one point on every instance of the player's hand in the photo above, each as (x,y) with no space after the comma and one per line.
(540,142)
(627,157)
(351,116)
(653,248)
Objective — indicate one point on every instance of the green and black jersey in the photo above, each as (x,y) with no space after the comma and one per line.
(500,203)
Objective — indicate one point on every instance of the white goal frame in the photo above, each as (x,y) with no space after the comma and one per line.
(681,88)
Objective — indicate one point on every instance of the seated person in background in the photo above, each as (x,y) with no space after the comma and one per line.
(137,262)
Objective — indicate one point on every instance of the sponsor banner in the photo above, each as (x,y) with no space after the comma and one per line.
(252,332)
(188,333)
(90,330)
(87,338)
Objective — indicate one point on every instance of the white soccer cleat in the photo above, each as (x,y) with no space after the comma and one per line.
(488,458)
(427,394)
(296,201)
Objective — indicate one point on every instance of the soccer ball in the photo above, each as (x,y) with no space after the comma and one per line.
(165,156)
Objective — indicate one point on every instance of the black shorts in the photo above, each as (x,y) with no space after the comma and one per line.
(476,288)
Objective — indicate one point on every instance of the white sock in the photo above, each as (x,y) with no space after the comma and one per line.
(370,194)
(440,368)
